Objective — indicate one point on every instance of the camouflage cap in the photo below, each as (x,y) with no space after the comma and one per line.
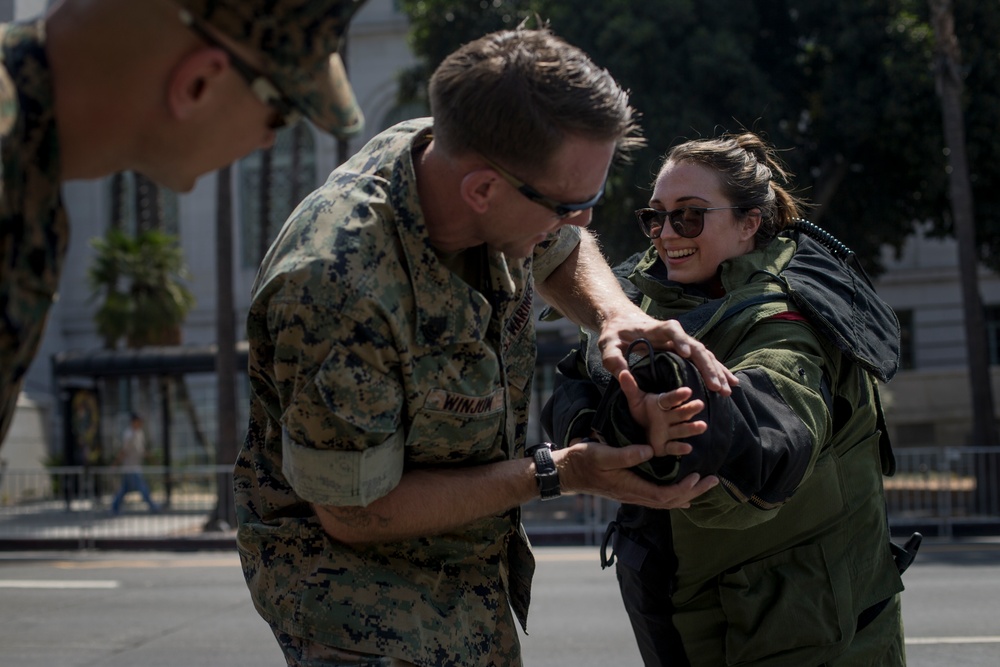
(299,40)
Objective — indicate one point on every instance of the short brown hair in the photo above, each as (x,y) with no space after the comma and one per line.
(515,95)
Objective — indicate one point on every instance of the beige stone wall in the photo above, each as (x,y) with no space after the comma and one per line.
(932,407)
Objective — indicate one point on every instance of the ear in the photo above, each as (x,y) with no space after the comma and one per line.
(751,223)
(478,188)
(194,81)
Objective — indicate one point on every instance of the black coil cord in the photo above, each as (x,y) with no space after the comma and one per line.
(832,243)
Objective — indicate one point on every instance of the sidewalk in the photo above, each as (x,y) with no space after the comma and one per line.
(84,524)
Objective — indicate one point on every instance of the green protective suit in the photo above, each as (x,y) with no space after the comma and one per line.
(788,560)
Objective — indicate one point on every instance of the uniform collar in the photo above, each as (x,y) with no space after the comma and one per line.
(448,309)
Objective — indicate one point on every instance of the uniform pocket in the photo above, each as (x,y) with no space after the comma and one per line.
(789,605)
(455,427)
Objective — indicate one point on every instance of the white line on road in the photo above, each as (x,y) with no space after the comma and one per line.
(57,584)
(953,640)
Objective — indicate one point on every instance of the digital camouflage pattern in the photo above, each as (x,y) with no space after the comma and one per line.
(34,231)
(369,357)
(299,40)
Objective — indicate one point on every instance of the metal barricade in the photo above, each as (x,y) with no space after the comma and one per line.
(945,487)
(937,490)
(73,507)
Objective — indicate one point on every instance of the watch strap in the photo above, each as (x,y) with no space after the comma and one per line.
(546,474)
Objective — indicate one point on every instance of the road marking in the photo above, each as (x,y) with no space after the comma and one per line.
(227,561)
(952,640)
(566,554)
(56,584)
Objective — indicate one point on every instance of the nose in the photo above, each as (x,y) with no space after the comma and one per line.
(667,229)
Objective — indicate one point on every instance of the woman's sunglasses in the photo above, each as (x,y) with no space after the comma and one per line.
(688,221)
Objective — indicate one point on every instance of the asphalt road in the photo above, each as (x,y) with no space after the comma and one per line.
(157,609)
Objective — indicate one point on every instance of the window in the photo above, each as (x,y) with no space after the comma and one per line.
(139,204)
(274,181)
(992,316)
(906,354)
(918,434)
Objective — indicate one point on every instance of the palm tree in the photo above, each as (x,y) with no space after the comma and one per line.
(140,279)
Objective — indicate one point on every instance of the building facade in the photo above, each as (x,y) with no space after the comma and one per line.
(927,404)
(375,53)
(929,401)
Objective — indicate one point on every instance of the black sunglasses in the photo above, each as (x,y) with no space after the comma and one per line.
(561,210)
(261,86)
(687,221)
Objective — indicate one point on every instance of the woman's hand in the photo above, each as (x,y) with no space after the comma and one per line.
(666,416)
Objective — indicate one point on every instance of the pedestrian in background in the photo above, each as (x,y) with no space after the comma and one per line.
(130,459)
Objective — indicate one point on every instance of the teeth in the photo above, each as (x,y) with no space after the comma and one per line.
(676,254)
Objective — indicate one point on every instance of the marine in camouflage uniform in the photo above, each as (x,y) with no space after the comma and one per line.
(34,232)
(371,354)
(300,70)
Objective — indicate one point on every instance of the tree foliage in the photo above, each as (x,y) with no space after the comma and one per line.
(845,88)
(139,280)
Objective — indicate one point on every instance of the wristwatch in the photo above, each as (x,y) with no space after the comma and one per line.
(545,470)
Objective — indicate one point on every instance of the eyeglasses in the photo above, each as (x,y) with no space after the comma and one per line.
(262,87)
(561,210)
(687,221)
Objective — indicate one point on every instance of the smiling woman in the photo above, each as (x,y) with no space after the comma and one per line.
(798,447)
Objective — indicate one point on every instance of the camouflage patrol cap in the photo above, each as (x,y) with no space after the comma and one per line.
(299,41)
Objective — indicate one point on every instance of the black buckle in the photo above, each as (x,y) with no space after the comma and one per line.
(607,561)
(904,555)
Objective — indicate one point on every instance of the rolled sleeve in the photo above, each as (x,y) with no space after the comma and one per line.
(342,478)
(341,439)
(554,250)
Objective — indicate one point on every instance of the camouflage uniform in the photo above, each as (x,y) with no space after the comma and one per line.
(299,40)
(368,357)
(34,232)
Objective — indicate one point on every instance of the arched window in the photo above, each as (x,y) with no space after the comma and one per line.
(274,181)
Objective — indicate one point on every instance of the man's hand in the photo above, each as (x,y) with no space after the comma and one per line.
(601,470)
(628,325)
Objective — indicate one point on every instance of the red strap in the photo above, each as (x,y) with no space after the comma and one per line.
(789,315)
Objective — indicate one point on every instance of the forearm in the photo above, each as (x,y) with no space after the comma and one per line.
(584,289)
(433,501)
(429,502)
(774,425)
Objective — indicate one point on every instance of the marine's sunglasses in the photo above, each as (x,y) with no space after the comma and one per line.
(263,88)
(561,210)
(687,221)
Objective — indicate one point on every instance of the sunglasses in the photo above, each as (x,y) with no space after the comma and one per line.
(561,210)
(687,221)
(262,87)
